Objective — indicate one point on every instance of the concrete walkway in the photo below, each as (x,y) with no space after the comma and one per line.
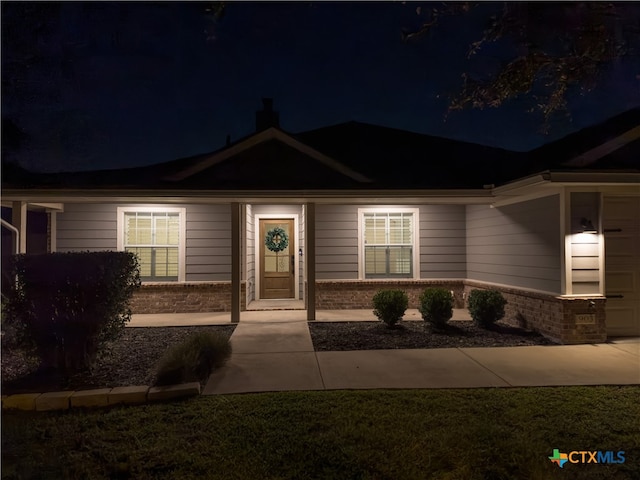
(274,352)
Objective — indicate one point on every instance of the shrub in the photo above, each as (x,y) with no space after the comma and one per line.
(436,306)
(66,305)
(390,305)
(194,359)
(486,306)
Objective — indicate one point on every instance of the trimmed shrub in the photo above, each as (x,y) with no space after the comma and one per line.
(436,306)
(390,305)
(66,305)
(194,359)
(486,306)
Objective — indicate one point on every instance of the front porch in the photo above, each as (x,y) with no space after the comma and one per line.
(257,316)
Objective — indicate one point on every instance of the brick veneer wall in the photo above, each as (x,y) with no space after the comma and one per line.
(551,315)
(185,298)
(359,294)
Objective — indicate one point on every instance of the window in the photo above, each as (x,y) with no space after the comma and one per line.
(388,243)
(156,236)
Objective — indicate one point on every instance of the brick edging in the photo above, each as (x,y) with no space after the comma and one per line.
(102,397)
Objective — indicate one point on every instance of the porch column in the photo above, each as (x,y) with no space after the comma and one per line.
(310,240)
(53,231)
(19,220)
(235,261)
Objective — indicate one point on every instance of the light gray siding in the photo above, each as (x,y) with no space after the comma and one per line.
(585,247)
(517,245)
(83,227)
(442,241)
(336,242)
(442,247)
(93,227)
(208,243)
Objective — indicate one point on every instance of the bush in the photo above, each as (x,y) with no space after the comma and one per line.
(390,305)
(66,305)
(194,359)
(436,306)
(486,306)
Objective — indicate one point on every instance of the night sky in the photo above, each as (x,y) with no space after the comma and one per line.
(110,85)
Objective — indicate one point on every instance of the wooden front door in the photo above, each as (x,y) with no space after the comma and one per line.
(277,260)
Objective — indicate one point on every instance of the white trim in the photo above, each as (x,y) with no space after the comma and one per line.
(53,231)
(595,154)
(256,233)
(548,191)
(568,236)
(600,226)
(514,287)
(563,242)
(269,134)
(416,238)
(182,215)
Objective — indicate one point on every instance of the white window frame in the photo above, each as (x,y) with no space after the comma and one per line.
(416,240)
(183,232)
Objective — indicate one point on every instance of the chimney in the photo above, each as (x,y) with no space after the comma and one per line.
(267,117)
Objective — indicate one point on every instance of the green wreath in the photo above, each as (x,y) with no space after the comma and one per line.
(276,240)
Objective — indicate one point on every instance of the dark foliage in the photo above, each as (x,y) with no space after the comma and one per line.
(390,305)
(486,306)
(64,306)
(436,306)
(194,359)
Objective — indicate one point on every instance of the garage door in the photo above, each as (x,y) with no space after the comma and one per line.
(621,224)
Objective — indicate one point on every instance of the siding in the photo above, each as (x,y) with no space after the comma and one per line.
(585,247)
(336,242)
(443,251)
(442,241)
(83,227)
(208,243)
(94,227)
(517,245)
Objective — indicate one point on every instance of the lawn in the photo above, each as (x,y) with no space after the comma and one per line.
(504,433)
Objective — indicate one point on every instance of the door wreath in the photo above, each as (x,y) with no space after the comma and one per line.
(276,240)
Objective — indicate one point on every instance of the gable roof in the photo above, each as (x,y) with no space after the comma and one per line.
(267,135)
(613,144)
(358,156)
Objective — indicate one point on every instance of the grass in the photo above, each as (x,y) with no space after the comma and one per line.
(417,434)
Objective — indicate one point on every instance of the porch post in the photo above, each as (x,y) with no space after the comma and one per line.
(19,220)
(310,240)
(235,261)
(53,231)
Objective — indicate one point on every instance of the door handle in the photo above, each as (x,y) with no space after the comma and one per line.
(293,264)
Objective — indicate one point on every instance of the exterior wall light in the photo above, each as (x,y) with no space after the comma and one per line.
(587,226)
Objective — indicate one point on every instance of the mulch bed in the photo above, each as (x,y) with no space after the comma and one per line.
(131,360)
(416,334)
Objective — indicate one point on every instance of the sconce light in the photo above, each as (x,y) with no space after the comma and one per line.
(587,226)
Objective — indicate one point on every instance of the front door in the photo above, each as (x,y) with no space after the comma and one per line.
(277,261)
